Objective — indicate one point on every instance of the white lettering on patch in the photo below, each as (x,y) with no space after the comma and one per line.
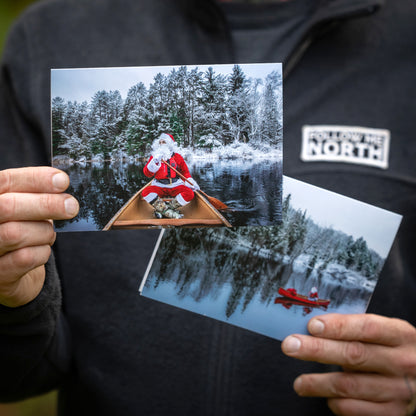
(360,145)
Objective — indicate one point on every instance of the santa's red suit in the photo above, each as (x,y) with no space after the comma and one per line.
(313,294)
(167,182)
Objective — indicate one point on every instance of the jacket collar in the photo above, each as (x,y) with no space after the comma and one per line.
(326,14)
(323,15)
(344,9)
(209,15)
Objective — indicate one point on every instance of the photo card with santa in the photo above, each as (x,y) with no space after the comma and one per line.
(325,256)
(170,146)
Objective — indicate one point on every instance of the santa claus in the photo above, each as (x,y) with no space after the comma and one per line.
(313,294)
(167,183)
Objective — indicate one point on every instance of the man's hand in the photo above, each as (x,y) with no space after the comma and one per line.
(378,356)
(30,198)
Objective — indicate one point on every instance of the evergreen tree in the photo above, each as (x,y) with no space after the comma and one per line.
(176,112)
(194,109)
(136,98)
(254,100)
(158,106)
(346,257)
(106,116)
(201,109)
(271,127)
(58,128)
(281,232)
(297,233)
(237,105)
(311,265)
(137,114)
(214,128)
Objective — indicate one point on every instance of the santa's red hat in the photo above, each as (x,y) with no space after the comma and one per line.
(168,138)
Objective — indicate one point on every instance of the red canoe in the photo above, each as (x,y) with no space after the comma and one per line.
(304,300)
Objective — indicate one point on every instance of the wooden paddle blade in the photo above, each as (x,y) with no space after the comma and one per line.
(216,203)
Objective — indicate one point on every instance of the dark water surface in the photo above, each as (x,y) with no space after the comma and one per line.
(206,272)
(252,190)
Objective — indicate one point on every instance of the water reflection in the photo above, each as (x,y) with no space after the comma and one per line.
(306,309)
(218,274)
(251,190)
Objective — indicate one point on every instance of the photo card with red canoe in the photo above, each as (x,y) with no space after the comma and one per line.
(170,146)
(325,256)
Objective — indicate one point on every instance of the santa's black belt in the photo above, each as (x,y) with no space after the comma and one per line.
(169,181)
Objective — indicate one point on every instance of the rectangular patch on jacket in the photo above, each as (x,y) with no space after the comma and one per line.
(359,145)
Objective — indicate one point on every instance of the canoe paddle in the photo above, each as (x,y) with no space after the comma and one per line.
(216,203)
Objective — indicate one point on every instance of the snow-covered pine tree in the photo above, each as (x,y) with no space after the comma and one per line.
(159,105)
(185,113)
(137,116)
(177,87)
(106,117)
(253,117)
(70,128)
(237,105)
(271,110)
(195,112)
(58,131)
(213,129)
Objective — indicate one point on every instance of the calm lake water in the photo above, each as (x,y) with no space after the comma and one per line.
(252,190)
(203,272)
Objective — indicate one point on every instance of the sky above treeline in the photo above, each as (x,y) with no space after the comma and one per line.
(81,84)
(328,209)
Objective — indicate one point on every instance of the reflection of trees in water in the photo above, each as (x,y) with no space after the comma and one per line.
(185,258)
(102,189)
(204,262)
(271,286)
(252,190)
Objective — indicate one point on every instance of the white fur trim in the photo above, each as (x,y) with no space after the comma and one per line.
(153,166)
(181,200)
(167,185)
(149,198)
(166,138)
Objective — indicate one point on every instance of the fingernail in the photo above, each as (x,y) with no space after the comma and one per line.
(71,206)
(291,345)
(60,181)
(316,327)
(297,384)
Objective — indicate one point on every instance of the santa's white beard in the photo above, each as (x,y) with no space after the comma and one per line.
(162,152)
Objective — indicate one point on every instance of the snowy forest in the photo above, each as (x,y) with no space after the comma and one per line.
(297,235)
(204,110)
(256,261)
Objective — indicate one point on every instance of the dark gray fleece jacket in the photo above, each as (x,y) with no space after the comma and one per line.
(89,333)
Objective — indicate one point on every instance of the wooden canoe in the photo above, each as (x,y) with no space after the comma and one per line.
(287,303)
(137,213)
(302,299)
